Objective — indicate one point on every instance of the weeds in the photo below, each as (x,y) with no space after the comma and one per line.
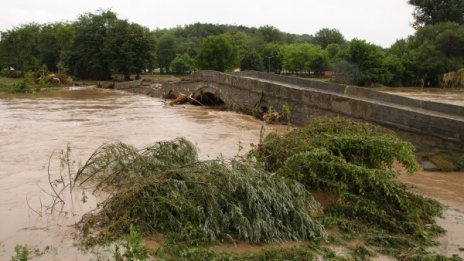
(134,248)
(22,253)
(184,253)
(25,252)
(420,254)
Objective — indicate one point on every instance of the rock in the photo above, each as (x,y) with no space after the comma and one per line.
(429,166)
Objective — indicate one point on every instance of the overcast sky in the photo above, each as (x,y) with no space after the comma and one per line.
(378,21)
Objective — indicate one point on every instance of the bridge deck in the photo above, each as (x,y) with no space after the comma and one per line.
(388,104)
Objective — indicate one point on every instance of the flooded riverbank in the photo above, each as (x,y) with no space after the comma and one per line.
(33,127)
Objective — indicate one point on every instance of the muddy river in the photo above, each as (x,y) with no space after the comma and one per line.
(450,96)
(32,128)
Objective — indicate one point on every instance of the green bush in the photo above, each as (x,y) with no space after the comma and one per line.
(165,189)
(358,143)
(26,85)
(353,162)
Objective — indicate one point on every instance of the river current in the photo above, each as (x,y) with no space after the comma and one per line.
(35,127)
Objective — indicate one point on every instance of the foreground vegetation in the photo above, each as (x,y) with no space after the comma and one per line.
(195,202)
(331,184)
(99,45)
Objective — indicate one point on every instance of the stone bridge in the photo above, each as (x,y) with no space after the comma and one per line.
(429,125)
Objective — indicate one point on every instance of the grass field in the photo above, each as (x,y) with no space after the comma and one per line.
(162,77)
(6,84)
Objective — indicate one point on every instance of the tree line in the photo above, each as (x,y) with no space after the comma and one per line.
(100,45)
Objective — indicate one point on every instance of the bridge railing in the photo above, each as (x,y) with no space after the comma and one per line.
(358,92)
(407,118)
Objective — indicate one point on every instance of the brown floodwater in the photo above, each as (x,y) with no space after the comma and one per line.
(35,126)
(450,96)
(448,189)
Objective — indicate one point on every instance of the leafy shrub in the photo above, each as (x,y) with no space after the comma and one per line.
(26,85)
(165,189)
(354,162)
(358,143)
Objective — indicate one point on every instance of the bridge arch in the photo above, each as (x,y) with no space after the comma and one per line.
(211,96)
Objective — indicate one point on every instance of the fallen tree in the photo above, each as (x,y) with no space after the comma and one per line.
(165,189)
(354,162)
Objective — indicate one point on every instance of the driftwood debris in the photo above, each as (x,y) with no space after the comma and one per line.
(182,98)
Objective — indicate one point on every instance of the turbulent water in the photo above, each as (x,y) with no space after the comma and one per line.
(32,128)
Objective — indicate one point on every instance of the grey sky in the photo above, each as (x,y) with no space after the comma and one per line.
(378,21)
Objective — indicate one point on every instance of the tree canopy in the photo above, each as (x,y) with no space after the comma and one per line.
(100,45)
(95,46)
(327,36)
(182,64)
(251,61)
(20,47)
(217,53)
(430,12)
(305,58)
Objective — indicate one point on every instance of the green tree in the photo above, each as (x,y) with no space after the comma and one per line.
(54,45)
(272,55)
(327,36)
(332,50)
(435,50)
(88,57)
(217,53)
(251,61)
(104,45)
(370,60)
(182,64)
(130,48)
(430,12)
(166,51)
(270,34)
(243,43)
(305,58)
(403,51)
(394,65)
(19,47)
